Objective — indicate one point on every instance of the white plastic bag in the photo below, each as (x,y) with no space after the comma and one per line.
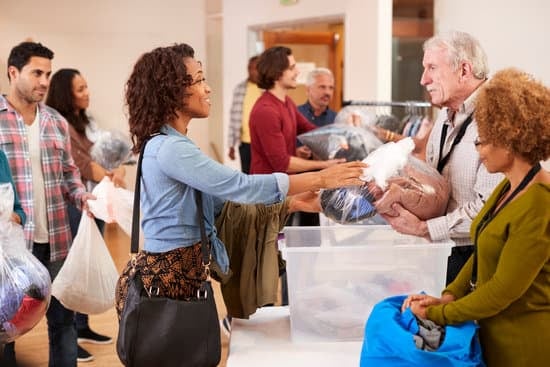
(113,204)
(87,280)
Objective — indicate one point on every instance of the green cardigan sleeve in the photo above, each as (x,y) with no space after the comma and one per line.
(513,262)
(5,176)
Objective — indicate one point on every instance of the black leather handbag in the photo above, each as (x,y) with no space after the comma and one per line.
(164,332)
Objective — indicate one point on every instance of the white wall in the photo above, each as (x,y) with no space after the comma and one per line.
(367,52)
(103,39)
(512,32)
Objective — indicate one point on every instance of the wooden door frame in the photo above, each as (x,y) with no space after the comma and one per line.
(327,38)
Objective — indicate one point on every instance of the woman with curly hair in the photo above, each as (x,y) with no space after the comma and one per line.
(165,91)
(69,95)
(505,285)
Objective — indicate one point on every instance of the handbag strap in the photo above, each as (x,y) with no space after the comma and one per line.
(205,250)
(134,243)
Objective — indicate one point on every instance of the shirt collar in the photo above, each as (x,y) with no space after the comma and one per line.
(312,111)
(465,109)
(4,105)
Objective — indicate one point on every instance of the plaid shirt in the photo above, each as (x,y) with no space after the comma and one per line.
(61,176)
(236,114)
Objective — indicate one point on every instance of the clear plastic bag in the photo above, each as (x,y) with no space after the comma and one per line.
(87,280)
(25,285)
(111,149)
(113,204)
(340,141)
(393,176)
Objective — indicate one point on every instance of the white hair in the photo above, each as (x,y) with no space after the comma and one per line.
(461,46)
(310,80)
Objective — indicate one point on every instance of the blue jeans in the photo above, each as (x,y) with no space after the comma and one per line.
(61,328)
(81,319)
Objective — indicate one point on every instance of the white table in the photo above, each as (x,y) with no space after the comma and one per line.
(264,340)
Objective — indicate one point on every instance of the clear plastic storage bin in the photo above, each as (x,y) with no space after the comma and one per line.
(336,274)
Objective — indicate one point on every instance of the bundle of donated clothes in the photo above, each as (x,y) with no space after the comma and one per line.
(394,175)
(25,285)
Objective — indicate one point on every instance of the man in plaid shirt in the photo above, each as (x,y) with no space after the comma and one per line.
(36,141)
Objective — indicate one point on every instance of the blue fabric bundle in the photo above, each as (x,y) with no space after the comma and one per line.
(348,204)
(389,341)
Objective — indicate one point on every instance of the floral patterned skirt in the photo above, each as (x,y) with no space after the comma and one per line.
(176,274)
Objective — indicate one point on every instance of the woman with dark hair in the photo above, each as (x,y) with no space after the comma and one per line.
(505,285)
(165,91)
(69,95)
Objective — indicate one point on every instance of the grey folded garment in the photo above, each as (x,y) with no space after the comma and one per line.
(430,335)
(340,141)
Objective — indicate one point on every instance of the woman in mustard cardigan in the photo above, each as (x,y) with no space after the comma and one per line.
(505,285)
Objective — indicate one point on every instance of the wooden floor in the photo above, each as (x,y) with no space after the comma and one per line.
(32,348)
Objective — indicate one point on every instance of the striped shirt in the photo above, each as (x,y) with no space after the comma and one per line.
(61,176)
(470,182)
(236,114)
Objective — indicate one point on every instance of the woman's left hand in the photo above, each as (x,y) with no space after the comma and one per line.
(117,176)
(308,201)
(420,299)
(418,309)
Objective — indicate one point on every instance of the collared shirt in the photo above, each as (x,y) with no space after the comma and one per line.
(325,118)
(236,114)
(470,182)
(173,167)
(61,176)
(274,126)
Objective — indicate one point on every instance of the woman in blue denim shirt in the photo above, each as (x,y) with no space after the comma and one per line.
(165,91)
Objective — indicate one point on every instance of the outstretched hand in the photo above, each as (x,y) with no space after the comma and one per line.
(344,174)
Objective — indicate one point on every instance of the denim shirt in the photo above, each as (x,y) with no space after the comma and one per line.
(173,167)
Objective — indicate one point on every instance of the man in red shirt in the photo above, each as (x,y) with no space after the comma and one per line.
(275,122)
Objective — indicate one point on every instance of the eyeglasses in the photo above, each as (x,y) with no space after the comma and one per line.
(478,142)
(199,81)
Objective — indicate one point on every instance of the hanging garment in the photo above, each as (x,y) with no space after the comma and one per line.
(250,233)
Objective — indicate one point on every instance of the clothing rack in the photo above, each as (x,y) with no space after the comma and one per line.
(386,104)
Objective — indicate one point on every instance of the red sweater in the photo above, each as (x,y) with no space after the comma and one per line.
(274,126)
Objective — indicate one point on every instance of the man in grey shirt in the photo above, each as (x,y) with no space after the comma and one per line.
(455,66)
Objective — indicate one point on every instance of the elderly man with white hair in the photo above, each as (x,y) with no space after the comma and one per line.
(319,89)
(455,66)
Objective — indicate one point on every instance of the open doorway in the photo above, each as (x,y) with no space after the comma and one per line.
(314,43)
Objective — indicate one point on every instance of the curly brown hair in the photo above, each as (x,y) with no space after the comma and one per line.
(156,89)
(513,112)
